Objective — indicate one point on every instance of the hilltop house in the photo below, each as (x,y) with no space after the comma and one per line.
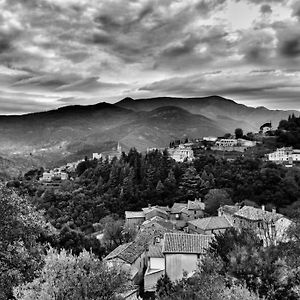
(182,153)
(265,128)
(271,227)
(285,155)
(210,225)
(54,174)
(183,252)
(109,154)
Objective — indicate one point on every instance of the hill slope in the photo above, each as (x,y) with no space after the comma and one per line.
(71,132)
(227,113)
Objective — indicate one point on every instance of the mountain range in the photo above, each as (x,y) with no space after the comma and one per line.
(68,133)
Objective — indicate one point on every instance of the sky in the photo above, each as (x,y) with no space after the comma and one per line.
(61,52)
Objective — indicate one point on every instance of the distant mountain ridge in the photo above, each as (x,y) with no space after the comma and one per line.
(227,113)
(70,132)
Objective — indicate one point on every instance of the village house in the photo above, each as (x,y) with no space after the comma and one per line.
(183,253)
(267,127)
(285,155)
(109,154)
(271,227)
(156,211)
(183,212)
(132,257)
(210,225)
(134,218)
(54,174)
(182,153)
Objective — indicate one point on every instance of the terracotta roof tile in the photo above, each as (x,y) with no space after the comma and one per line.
(186,243)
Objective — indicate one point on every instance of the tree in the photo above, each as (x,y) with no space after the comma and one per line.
(216,198)
(66,276)
(238,133)
(190,183)
(20,253)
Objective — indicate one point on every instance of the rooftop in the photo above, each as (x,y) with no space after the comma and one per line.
(197,204)
(257,214)
(134,214)
(186,243)
(162,209)
(177,208)
(211,223)
(131,251)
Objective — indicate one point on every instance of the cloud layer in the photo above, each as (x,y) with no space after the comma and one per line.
(55,52)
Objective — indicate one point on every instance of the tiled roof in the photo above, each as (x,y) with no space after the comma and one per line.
(134,214)
(186,243)
(116,252)
(158,221)
(196,205)
(131,251)
(161,209)
(211,223)
(257,214)
(178,207)
(155,251)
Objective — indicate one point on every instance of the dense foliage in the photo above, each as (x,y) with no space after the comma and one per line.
(66,276)
(237,266)
(288,132)
(110,187)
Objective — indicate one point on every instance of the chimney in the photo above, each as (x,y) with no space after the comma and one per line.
(149,205)
(274,210)
(263,207)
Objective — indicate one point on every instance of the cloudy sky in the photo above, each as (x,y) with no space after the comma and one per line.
(60,52)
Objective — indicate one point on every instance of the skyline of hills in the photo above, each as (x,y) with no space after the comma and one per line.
(70,132)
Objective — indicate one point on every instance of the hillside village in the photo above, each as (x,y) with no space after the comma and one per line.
(173,241)
(184,151)
(156,216)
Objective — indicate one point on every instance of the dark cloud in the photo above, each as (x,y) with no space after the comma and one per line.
(296,10)
(291,47)
(266,9)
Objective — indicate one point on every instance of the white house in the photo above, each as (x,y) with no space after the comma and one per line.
(183,252)
(285,154)
(182,153)
(226,143)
